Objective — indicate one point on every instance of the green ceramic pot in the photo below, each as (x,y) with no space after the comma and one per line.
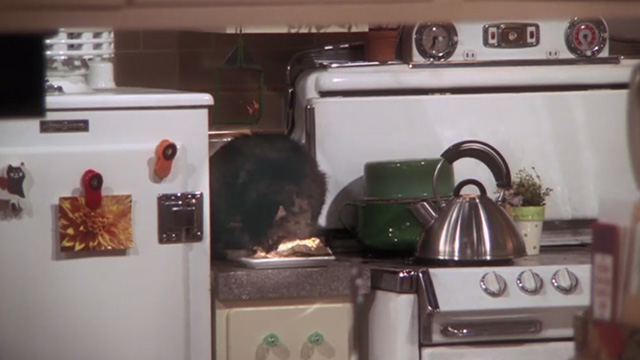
(386,225)
(406,179)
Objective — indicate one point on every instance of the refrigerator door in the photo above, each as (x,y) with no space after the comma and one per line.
(148,302)
(574,139)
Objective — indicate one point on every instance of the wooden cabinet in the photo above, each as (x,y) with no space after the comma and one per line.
(288,332)
(53,4)
(204,15)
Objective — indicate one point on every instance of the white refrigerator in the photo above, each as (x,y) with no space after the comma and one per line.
(104,228)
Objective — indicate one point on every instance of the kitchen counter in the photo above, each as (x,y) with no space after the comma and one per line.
(231,281)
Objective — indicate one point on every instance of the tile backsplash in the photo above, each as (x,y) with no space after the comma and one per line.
(185,60)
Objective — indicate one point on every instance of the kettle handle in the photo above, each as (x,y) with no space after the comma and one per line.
(485,153)
(463,183)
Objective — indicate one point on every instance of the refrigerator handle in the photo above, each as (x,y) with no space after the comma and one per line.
(633,123)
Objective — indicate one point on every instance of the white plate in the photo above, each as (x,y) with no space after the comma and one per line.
(283,263)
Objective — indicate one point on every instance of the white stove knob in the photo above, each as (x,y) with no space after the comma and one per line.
(564,281)
(529,282)
(493,284)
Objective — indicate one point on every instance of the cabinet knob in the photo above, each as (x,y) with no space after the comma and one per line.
(316,339)
(271,340)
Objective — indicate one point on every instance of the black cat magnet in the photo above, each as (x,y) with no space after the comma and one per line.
(14,180)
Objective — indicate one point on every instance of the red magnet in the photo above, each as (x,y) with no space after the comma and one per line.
(166,151)
(92,184)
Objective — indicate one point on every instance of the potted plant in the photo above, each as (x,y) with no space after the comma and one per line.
(526,201)
(381,42)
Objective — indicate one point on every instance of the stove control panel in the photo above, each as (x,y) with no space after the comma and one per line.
(470,42)
(529,282)
(513,286)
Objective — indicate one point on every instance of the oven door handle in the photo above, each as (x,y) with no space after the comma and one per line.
(491,328)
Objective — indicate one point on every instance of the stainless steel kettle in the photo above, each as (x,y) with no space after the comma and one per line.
(469,227)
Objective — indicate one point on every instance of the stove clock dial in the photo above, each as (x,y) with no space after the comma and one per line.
(493,284)
(564,281)
(586,38)
(436,41)
(529,282)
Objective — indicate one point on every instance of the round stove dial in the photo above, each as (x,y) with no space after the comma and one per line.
(493,284)
(436,41)
(529,282)
(586,38)
(564,281)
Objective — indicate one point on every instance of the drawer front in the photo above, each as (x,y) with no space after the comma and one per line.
(315,332)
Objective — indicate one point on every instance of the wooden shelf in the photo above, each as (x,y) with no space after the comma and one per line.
(215,14)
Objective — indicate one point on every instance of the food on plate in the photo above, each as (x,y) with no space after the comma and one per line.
(294,248)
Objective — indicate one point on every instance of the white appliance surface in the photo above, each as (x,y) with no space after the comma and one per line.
(393,326)
(484,322)
(149,302)
(127,98)
(559,350)
(576,139)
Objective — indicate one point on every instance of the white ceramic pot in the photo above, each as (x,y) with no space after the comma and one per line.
(529,220)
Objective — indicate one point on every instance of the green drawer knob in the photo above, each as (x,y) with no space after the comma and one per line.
(271,340)
(316,339)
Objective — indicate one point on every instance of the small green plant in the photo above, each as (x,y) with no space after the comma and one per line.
(527,189)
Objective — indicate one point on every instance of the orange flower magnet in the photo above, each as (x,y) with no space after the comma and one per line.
(107,228)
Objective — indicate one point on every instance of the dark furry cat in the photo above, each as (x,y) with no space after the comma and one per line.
(13,182)
(265,188)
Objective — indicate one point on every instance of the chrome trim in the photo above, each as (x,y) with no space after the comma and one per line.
(501,26)
(64,126)
(452,46)
(310,129)
(427,306)
(398,281)
(599,24)
(491,328)
(524,62)
(180,217)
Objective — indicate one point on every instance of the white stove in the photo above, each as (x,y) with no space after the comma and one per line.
(422,312)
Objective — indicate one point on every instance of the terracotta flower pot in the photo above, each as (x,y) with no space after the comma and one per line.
(380,45)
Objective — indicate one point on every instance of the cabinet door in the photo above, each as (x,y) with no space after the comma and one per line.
(55,3)
(263,2)
(283,333)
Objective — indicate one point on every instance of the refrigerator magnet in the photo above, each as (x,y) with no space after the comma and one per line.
(13,180)
(95,222)
(107,228)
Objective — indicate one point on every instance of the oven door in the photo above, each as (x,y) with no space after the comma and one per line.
(555,350)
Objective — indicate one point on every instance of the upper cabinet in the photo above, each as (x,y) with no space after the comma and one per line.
(37,5)
(209,15)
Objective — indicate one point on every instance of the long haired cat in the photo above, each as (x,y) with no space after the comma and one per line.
(264,188)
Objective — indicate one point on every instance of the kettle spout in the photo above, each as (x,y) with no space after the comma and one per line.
(425,212)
